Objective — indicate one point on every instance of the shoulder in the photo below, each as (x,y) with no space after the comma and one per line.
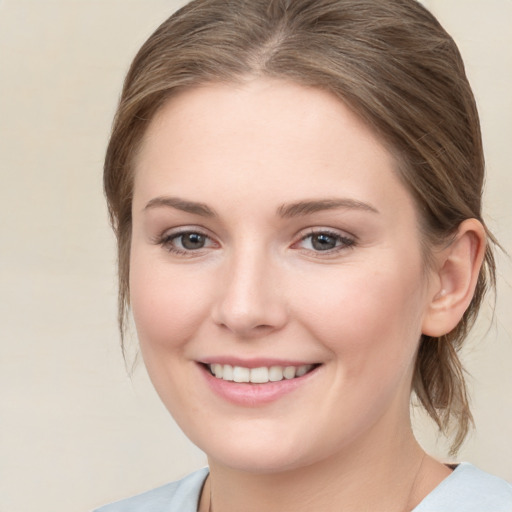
(469,489)
(179,496)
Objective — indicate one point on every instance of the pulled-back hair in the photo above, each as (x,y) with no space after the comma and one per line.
(392,63)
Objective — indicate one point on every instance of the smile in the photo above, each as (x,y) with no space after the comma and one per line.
(260,375)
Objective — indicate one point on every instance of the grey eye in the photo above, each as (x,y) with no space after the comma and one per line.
(324,242)
(191,241)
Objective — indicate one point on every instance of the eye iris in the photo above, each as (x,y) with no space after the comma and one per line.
(193,241)
(323,242)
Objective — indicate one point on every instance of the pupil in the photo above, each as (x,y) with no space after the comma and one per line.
(193,241)
(323,242)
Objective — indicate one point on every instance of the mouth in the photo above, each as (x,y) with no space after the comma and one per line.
(261,375)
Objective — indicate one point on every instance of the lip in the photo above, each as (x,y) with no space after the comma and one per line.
(253,395)
(257,362)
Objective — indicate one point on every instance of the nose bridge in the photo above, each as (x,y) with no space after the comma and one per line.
(250,302)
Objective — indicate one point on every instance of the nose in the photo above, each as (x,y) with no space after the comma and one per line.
(251,303)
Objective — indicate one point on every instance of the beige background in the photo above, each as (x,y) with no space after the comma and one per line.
(75,430)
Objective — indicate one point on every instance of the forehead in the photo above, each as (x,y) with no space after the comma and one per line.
(271,138)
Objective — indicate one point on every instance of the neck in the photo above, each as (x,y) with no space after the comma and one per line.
(373,475)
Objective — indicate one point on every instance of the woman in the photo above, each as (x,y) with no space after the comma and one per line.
(295,187)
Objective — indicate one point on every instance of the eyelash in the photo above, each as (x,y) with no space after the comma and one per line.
(167,241)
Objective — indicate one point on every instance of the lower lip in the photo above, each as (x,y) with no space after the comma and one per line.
(252,395)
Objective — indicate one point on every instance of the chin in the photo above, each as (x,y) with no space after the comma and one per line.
(257,460)
(261,450)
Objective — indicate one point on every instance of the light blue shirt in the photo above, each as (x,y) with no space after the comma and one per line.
(467,489)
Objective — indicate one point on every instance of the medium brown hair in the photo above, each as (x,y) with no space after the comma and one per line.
(392,63)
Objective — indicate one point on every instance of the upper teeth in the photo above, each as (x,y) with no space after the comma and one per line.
(258,375)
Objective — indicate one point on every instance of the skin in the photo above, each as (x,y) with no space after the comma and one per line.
(259,287)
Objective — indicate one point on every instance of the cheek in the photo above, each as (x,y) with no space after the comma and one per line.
(369,318)
(167,304)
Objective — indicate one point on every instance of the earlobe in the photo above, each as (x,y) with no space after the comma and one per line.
(458,267)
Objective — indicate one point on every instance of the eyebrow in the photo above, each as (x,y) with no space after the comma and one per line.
(181,204)
(300,208)
(308,207)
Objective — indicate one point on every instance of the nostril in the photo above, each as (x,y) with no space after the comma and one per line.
(263,327)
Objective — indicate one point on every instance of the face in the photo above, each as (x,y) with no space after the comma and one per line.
(273,243)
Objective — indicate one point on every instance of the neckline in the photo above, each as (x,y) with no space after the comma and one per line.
(457,470)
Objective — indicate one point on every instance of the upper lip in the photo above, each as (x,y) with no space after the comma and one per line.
(257,362)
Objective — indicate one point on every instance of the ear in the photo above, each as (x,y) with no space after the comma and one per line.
(454,282)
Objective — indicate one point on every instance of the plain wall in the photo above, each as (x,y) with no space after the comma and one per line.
(76,431)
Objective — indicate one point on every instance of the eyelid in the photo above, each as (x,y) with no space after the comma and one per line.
(176,231)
